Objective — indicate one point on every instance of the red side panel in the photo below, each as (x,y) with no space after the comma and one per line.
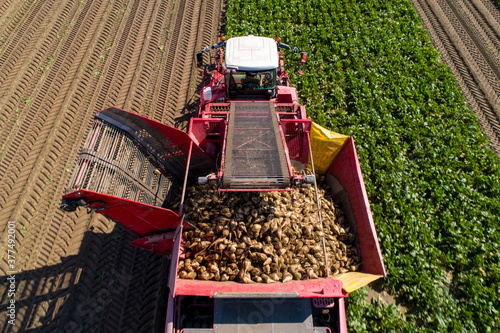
(342,318)
(346,169)
(141,218)
(174,262)
(297,141)
(168,144)
(160,243)
(305,288)
(287,94)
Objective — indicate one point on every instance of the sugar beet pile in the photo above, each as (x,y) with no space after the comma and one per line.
(264,236)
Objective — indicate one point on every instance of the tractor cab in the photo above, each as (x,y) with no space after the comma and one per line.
(251,64)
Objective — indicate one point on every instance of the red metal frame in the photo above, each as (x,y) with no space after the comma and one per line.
(160,229)
(172,279)
(305,288)
(345,167)
(297,149)
(287,155)
(139,218)
(297,143)
(342,318)
(159,243)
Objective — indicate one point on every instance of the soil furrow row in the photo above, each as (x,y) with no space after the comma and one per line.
(40,116)
(466,48)
(488,22)
(106,256)
(483,32)
(129,65)
(490,13)
(24,73)
(474,38)
(45,91)
(120,60)
(11,16)
(178,76)
(159,100)
(57,145)
(35,237)
(80,270)
(70,78)
(117,316)
(7,8)
(15,52)
(146,56)
(463,71)
(156,61)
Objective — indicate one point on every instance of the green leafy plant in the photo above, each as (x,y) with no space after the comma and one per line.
(432,181)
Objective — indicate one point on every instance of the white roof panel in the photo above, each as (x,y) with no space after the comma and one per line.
(251,53)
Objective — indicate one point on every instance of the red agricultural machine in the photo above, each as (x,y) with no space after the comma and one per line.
(251,134)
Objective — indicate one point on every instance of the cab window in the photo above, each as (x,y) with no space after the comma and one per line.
(251,80)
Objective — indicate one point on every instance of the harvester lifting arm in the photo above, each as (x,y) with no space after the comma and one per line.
(199,54)
(287,47)
(294,50)
(215,46)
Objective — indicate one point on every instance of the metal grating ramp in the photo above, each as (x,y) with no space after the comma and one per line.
(254,156)
(113,163)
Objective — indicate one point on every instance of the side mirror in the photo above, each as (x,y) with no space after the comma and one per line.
(303,58)
(199,59)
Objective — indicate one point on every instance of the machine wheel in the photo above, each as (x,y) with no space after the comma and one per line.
(68,205)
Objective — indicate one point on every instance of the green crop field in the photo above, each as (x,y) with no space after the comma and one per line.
(432,181)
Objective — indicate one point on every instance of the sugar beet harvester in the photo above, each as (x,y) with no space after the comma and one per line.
(251,134)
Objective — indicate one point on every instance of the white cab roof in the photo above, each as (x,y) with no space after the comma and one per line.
(251,53)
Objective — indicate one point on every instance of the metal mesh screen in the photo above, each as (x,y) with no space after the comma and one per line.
(113,163)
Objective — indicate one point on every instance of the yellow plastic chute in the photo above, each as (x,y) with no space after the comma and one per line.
(352,281)
(325,145)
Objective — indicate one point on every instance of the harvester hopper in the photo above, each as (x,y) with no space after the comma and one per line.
(245,138)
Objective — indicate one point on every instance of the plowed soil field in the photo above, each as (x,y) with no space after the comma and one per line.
(467,35)
(60,63)
(63,61)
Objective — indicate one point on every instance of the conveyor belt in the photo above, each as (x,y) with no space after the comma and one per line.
(254,156)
